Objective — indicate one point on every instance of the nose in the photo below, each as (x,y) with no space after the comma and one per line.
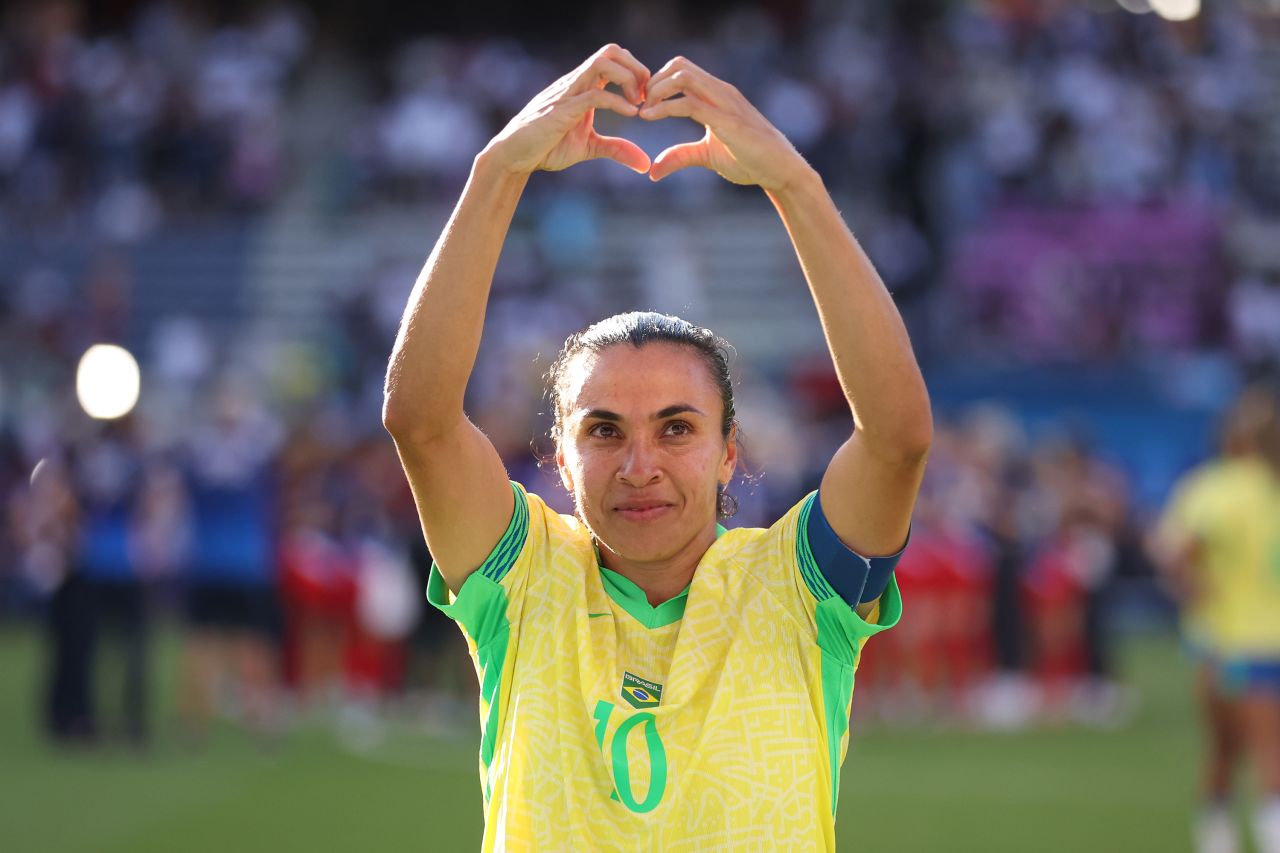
(640,466)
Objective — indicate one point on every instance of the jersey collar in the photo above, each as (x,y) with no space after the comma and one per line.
(632,598)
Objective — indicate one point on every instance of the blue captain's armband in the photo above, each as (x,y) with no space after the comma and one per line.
(855,578)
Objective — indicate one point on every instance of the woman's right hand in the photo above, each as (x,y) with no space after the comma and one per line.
(555,130)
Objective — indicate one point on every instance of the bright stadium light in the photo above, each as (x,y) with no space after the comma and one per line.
(1137,7)
(1176,10)
(107,382)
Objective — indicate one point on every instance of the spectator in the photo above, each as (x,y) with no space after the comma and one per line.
(232,579)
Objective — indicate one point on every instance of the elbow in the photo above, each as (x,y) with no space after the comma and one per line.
(913,450)
(407,409)
(907,442)
(917,429)
(917,436)
(405,429)
(397,418)
(410,425)
(404,406)
(392,424)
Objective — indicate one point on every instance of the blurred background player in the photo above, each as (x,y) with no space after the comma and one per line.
(1219,542)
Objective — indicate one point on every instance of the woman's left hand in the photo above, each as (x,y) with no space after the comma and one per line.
(740,144)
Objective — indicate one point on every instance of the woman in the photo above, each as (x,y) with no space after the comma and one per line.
(1218,544)
(649,679)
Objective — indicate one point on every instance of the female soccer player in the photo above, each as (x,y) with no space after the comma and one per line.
(1219,545)
(648,679)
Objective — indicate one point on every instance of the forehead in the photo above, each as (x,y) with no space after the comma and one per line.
(638,381)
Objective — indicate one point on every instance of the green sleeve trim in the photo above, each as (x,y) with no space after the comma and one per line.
(504,554)
(837,697)
(841,634)
(476,607)
(480,608)
(841,631)
(496,565)
(809,571)
(839,625)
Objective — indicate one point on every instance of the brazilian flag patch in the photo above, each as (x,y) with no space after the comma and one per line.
(640,693)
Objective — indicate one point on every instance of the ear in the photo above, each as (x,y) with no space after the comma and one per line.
(565,477)
(730,462)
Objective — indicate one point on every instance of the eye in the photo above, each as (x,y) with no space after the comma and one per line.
(604,430)
(678,428)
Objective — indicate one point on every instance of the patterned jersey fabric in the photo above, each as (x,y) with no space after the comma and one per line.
(716,720)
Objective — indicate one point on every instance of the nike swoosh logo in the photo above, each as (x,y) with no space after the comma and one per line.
(594,615)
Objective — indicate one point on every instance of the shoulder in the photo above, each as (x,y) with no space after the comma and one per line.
(773,556)
(1205,472)
(540,547)
(1203,481)
(554,525)
(536,533)
(1225,480)
(751,545)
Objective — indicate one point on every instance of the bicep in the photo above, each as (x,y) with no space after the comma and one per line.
(868,497)
(462,494)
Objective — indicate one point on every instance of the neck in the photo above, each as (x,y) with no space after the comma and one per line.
(662,579)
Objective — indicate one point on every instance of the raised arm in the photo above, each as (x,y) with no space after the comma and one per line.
(870,486)
(458,481)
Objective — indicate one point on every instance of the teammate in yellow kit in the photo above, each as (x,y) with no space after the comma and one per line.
(1219,542)
(648,679)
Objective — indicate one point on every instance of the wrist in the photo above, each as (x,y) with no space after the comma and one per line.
(800,182)
(490,168)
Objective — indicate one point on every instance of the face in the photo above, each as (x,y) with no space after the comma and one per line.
(641,448)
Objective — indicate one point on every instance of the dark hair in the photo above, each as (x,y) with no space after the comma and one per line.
(639,328)
(1252,425)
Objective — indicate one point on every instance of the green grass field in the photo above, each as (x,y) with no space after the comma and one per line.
(1059,790)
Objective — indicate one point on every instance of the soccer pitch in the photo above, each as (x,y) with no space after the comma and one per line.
(1051,790)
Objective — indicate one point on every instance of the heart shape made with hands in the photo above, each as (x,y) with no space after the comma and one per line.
(709,152)
(739,144)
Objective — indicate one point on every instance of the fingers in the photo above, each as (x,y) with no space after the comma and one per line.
(600,99)
(679,157)
(605,71)
(613,64)
(625,58)
(622,150)
(680,83)
(687,107)
(680,76)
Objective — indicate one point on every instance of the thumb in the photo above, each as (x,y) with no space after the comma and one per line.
(679,157)
(624,151)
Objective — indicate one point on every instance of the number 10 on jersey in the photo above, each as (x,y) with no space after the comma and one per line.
(616,755)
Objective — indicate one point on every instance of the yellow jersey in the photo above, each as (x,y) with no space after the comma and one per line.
(1231,509)
(717,720)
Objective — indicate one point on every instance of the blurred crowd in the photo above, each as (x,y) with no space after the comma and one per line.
(258,498)
(1020,554)
(288,545)
(165,116)
(933,112)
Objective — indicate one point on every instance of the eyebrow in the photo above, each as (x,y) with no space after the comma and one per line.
(669,411)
